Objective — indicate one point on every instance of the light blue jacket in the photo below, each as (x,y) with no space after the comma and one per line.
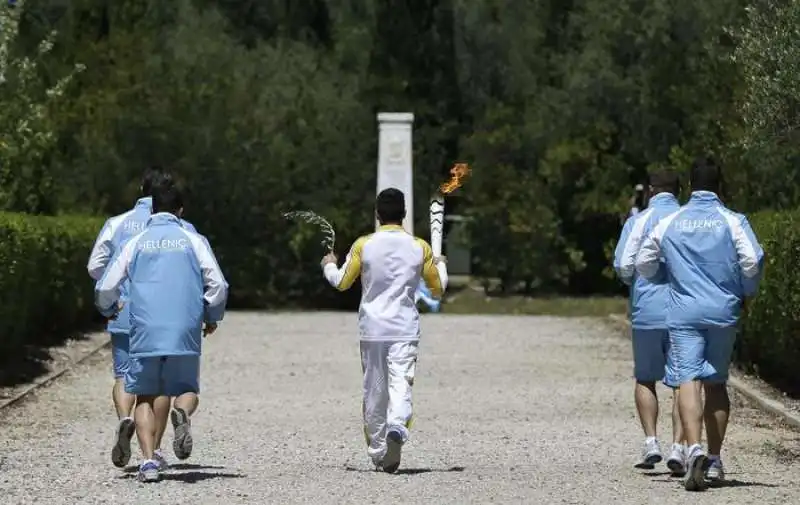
(648,298)
(175,285)
(713,262)
(109,243)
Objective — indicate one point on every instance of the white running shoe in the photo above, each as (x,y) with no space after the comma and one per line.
(697,468)
(715,473)
(651,454)
(677,460)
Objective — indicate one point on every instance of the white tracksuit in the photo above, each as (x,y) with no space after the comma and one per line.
(390,263)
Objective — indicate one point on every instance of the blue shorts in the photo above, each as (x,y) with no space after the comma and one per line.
(699,354)
(120,345)
(649,354)
(163,375)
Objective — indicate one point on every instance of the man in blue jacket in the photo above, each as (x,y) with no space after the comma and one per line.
(648,320)
(110,241)
(175,287)
(713,262)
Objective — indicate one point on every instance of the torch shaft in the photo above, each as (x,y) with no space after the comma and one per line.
(437,224)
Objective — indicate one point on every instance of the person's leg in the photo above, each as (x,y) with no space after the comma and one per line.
(123,402)
(143,380)
(686,367)
(648,367)
(375,398)
(182,380)
(161,409)
(719,350)
(401,364)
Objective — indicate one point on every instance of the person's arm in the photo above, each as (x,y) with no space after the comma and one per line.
(106,290)
(648,259)
(343,278)
(215,287)
(749,253)
(434,272)
(102,251)
(623,249)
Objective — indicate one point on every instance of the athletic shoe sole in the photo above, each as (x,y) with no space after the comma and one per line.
(121,453)
(650,462)
(394,450)
(182,444)
(696,481)
(677,467)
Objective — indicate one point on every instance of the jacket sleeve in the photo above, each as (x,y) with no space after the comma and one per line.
(749,253)
(343,278)
(215,287)
(434,274)
(648,258)
(619,251)
(106,290)
(189,226)
(102,252)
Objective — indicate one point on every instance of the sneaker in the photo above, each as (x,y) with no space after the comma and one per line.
(182,443)
(121,453)
(148,471)
(697,468)
(677,460)
(159,458)
(651,454)
(394,449)
(715,473)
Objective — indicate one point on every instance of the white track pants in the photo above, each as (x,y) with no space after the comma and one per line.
(388,377)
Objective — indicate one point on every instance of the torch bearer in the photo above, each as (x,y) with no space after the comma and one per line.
(457,175)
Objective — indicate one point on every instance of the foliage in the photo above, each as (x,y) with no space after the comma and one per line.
(43,280)
(769,341)
(27,135)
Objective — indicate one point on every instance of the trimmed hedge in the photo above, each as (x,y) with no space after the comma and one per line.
(769,340)
(45,291)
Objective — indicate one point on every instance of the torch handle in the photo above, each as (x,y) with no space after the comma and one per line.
(437,224)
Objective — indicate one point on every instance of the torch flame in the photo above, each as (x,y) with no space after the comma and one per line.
(458,173)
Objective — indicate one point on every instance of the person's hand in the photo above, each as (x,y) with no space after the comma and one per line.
(113,317)
(329,258)
(440,259)
(209,328)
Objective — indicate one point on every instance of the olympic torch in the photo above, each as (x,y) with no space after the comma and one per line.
(457,175)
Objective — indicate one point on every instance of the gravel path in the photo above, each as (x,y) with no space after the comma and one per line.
(531,410)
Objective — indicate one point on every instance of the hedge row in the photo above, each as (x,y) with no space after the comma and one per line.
(45,292)
(769,340)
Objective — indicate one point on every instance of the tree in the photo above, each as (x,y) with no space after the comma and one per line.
(27,134)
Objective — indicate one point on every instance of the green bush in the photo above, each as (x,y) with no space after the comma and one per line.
(45,291)
(769,340)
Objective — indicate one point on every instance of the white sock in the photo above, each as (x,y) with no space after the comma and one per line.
(696,448)
(649,440)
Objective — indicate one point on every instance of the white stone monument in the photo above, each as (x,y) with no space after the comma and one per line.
(395,167)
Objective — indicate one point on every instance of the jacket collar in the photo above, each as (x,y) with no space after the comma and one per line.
(662,199)
(704,197)
(390,227)
(163,218)
(146,201)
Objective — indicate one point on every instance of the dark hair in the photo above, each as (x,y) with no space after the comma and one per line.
(151,175)
(706,175)
(665,180)
(167,196)
(391,206)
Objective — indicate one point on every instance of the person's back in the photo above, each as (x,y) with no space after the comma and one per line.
(713,262)
(166,290)
(392,264)
(647,297)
